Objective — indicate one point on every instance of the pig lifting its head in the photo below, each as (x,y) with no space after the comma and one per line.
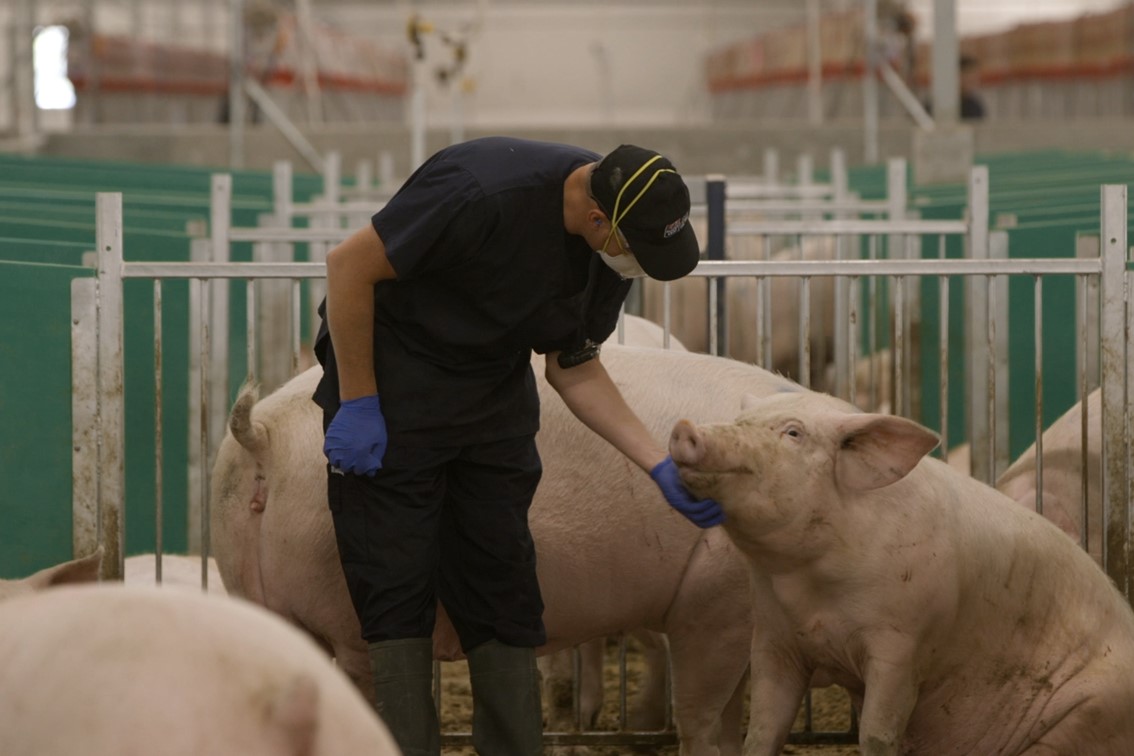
(961,622)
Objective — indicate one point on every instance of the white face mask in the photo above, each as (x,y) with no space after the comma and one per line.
(625,265)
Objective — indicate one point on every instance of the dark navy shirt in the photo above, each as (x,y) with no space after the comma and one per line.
(486,273)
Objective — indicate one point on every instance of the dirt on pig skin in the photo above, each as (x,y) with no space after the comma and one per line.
(830,711)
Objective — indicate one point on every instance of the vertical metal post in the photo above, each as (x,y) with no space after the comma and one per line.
(839,180)
(845,247)
(946,62)
(715,243)
(1116,524)
(332,178)
(23,69)
(897,194)
(386,171)
(998,315)
(111,403)
(250,330)
(84,416)
(771,166)
(1037,299)
(870,83)
(814,65)
(236,85)
(205,448)
(805,169)
(902,362)
(1086,316)
(308,62)
(159,432)
(976,329)
(363,178)
(943,357)
(217,374)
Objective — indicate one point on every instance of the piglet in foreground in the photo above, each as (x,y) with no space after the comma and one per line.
(960,622)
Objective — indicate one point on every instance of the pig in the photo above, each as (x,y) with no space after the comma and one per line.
(689,306)
(612,556)
(960,622)
(177,571)
(82,570)
(1063,475)
(111,669)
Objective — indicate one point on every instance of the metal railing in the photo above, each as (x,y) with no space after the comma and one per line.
(98,317)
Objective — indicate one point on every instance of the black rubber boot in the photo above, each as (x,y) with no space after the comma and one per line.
(403,693)
(507,714)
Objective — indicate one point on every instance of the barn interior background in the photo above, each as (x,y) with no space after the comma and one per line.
(310,103)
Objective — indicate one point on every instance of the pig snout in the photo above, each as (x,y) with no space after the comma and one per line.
(686,444)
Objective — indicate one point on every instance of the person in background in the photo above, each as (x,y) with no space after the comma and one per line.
(491,249)
(972,105)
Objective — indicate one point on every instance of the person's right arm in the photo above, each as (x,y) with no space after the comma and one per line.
(353,268)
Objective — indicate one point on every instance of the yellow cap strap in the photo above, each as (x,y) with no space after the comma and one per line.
(618,199)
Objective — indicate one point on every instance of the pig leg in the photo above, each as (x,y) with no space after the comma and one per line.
(558,672)
(647,709)
(779,674)
(704,684)
(708,649)
(708,668)
(890,697)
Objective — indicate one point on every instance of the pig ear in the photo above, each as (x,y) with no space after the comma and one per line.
(748,401)
(84,570)
(877,450)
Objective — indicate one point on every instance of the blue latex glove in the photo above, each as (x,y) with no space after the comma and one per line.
(356,438)
(704,513)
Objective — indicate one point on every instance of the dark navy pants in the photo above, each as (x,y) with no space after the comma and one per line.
(443,524)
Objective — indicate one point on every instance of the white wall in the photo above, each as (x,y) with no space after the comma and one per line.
(531,63)
(582,63)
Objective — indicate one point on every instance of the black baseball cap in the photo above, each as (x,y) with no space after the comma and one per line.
(645,198)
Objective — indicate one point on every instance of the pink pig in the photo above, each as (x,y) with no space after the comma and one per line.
(1063,474)
(960,622)
(108,669)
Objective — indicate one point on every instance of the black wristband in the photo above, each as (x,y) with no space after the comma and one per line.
(588,351)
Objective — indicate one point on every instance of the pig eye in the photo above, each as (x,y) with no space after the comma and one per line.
(793,431)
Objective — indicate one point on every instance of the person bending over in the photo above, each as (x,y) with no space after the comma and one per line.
(491,249)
